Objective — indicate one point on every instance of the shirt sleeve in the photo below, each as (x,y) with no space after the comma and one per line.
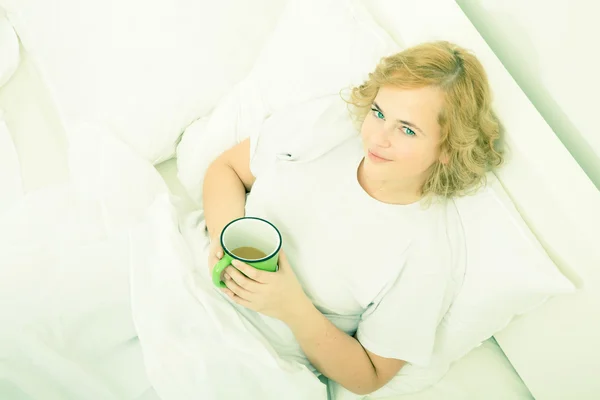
(264,151)
(402,322)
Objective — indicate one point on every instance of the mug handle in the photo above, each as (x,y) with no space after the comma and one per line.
(218,270)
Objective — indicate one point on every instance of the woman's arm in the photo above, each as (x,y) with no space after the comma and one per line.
(341,357)
(338,356)
(225,185)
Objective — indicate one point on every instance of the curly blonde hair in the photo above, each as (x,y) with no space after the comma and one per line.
(470,130)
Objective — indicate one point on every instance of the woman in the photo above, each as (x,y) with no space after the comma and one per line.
(368,270)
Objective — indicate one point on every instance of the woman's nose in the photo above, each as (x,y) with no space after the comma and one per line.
(381,136)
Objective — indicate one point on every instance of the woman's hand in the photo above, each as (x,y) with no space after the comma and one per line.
(215,253)
(276,294)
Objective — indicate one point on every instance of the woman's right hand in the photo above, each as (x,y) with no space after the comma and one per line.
(215,253)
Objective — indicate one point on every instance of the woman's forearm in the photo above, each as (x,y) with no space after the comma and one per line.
(224,197)
(335,354)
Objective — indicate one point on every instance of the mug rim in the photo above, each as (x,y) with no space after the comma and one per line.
(251,260)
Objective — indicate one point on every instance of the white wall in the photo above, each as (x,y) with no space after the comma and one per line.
(552,50)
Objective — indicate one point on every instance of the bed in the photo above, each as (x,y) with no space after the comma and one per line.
(550,353)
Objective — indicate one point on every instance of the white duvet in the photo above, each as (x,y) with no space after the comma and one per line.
(66,329)
(196,344)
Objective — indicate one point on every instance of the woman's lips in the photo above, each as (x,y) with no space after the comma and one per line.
(377,159)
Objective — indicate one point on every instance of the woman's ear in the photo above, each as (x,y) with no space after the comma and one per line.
(444,157)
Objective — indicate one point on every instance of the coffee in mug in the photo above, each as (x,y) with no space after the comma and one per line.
(249,253)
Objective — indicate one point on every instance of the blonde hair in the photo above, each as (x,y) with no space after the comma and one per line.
(470,130)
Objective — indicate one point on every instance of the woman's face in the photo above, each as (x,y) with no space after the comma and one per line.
(401,134)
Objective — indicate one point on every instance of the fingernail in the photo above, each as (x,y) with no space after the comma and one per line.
(227,277)
(235,263)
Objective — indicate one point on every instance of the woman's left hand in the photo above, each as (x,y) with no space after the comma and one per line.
(276,294)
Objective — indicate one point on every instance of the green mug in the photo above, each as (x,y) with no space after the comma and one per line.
(251,240)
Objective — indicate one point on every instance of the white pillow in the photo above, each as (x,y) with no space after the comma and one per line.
(317,48)
(206,138)
(9,50)
(508,273)
(146,69)
(106,171)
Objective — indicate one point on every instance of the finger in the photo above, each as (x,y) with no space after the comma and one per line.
(251,272)
(237,299)
(242,280)
(283,260)
(211,263)
(236,289)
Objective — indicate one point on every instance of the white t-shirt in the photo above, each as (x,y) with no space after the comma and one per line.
(385,273)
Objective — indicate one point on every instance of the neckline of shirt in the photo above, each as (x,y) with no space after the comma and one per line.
(387,207)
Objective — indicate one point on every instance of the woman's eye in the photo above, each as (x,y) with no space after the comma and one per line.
(378,114)
(408,131)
